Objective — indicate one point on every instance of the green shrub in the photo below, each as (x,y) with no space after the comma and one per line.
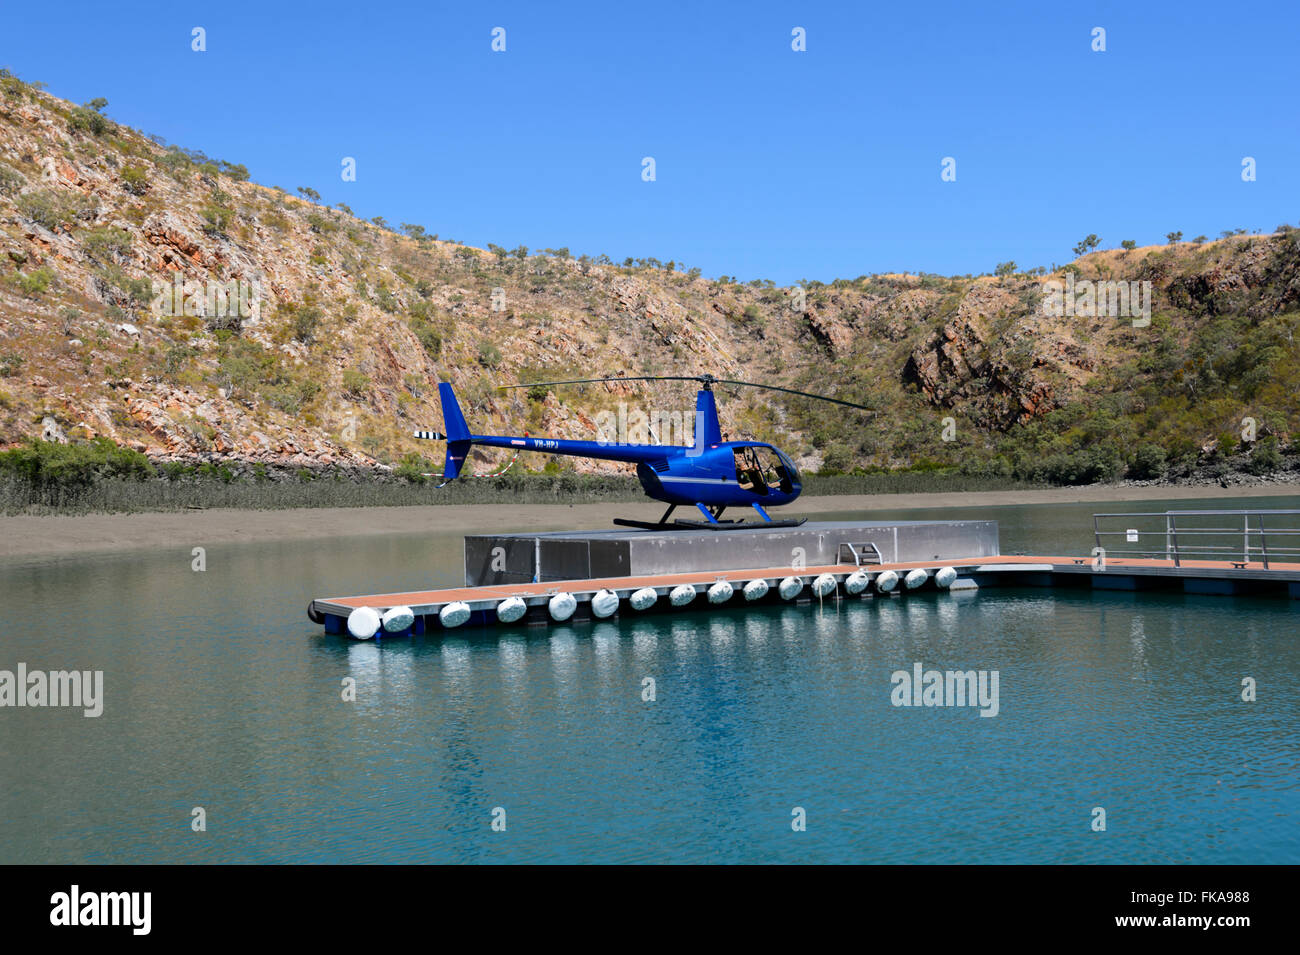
(52,209)
(320,223)
(836,459)
(1149,463)
(10,364)
(134,292)
(413,468)
(1264,457)
(32,284)
(44,463)
(11,181)
(385,299)
(306,319)
(135,180)
(216,219)
(175,163)
(107,243)
(429,337)
(87,120)
(355,383)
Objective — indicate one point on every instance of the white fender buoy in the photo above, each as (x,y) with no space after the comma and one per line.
(915,578)
(721,592)
(604,603)
(397,619)
(756,589)
(823,585)
(363,623)
(643,599)
(790,588)
(944,577)
(856,582)
(562,606)
(681,595)
(511,609)
(886,581)
(454,614)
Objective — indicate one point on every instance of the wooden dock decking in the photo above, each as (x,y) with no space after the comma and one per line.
(1192,576)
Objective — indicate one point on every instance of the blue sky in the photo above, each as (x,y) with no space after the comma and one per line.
(770,163)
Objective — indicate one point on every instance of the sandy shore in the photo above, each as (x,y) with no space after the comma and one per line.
(72,535)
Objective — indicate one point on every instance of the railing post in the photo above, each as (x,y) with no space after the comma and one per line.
(1173,532)
(1096,532)
(1245,537)
(1168,550)
(1263,541)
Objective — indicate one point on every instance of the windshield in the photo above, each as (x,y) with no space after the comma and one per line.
(790,468)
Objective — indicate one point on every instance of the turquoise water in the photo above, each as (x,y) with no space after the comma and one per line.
(219,693)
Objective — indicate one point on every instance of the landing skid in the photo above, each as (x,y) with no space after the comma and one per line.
(712,521)
(682,524)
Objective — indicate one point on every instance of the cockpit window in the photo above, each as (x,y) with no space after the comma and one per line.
(790,469)
(761,470)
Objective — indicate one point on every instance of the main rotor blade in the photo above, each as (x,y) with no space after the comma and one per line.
(590,381)
(791,391)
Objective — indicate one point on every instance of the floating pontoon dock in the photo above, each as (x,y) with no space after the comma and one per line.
(857,570)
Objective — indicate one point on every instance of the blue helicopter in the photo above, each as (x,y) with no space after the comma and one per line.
(710,474)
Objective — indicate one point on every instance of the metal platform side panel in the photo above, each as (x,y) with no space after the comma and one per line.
(942,540)
(578,555)
(499,559)
(610,557)
(564,559)
(715,550)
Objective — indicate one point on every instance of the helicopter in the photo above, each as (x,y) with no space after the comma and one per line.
(710,474)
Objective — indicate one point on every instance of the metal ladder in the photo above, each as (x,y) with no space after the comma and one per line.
(861,553)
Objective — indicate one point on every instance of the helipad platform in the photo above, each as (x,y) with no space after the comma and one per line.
(582,575)
(482,605)
(496,559)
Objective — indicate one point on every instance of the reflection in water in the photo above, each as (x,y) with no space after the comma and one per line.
(1131,701)
(645,647)
(512,657)
(1137,637)
(564,657)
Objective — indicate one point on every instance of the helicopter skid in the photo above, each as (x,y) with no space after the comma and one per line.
(681,524)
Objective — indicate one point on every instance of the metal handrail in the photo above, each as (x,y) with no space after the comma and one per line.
(858,551)
(1173,551)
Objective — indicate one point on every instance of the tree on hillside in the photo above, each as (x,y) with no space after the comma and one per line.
(1128,244)
(307,192)
(1174,237)
(1087,245)
(1005,268)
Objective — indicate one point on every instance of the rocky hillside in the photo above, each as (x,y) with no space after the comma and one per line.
(122,314)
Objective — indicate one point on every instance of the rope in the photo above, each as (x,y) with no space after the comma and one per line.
(509,464)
